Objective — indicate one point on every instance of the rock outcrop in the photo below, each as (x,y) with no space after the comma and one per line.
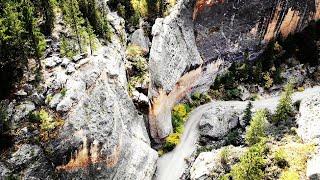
(219,120)
(102,123)
(194,38)
(313,168)
(308,119)
(213,164)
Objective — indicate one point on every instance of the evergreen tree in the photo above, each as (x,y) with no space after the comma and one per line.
(247,113)
(37,39)
(91,37)
(285,107)
(73,17)
(256,132)
(251,164)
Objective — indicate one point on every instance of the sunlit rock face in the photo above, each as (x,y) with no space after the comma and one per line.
(103,136)
(200,37)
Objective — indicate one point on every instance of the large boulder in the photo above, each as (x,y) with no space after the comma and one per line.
(213,164)
(220,119)
(139,38)
(309,117)
(204,35)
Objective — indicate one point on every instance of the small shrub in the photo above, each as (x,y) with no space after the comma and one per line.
(63,92)
(301,89)
(224,155)
(140,7)
(256,131)
(285,107)
(280,158)
(179,115)
(232,94)
(289,175)
(225,177)
(251,164)
(171,141)
(43,117)
(134,51)
(268,80)
(49,98)
(200,99)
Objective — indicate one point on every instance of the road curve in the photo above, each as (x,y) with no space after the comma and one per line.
(172,165)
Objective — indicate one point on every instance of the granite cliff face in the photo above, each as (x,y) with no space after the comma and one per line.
(103,136)
(205,35)
(102,124)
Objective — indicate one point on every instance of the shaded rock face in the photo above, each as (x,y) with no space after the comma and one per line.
(201,37)
(228,28)
(31,160)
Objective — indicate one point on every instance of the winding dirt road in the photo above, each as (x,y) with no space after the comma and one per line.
(172,165)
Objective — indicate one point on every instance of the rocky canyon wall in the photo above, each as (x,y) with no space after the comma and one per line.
(199,37)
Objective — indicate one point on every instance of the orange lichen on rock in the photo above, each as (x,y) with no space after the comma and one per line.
(289,23)
(80,160)
(201,4)
(92,155)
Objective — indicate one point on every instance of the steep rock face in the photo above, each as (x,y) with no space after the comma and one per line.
(220,31)
(228,28)
(102,123)
(103,136)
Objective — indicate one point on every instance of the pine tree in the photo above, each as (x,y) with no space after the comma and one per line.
(91,37)
(37,39)
(73,17)
(285,107)
(247,113)
(256,132)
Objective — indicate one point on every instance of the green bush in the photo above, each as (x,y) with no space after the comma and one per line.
(224,155)
(285,107)
(256,131)
(200,99)
(290,175)
(251,164)
(179,115)
(171,141)
(280,158)
(47,122)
